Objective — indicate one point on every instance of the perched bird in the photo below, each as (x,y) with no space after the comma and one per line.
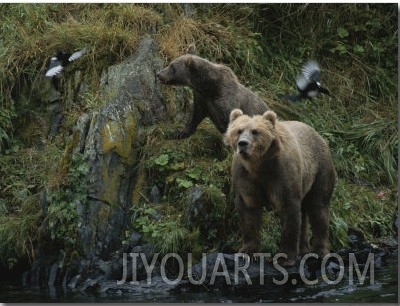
(308,83)
(62,59)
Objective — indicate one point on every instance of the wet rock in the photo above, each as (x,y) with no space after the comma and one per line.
(356,238)
(197,208)
(155,196)
(135,238)
(56,116)
(135,261)
(157,286)
(219,270)
(133,83)
(73,282)
(52,275)
(81,130)
(203,208)
(222,270)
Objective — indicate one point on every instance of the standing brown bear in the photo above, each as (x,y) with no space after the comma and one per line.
(216,91)
(288,165)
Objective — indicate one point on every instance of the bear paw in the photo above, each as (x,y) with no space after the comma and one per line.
(181,135)
(286,262)
(250,248)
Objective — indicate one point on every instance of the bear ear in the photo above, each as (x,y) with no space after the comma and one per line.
(235,114)
(191,49)
(270,116)
(190,62)
(225,139)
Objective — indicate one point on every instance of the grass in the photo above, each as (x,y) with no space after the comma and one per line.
(371,211)
(19,232)
(265,45)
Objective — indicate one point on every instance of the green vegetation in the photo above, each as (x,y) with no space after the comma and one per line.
(63,200)
(23,173)
(355,44)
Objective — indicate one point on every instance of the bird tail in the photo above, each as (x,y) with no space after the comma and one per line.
(291,98)
(325,91)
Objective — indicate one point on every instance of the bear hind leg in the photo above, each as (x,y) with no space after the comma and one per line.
(318,216)
(317,205)
(304,247)
(290,236)
(319,220)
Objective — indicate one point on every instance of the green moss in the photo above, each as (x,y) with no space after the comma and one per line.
(118,137)
(110,176)
(140,182)
(103,215)
(65,159)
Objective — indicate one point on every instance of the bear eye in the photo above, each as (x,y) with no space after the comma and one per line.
(254,132)
(240,132)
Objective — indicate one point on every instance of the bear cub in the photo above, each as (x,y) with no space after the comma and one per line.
(285,164)
(216,91)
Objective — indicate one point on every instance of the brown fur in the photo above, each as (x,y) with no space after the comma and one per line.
(288,165)
(216,91)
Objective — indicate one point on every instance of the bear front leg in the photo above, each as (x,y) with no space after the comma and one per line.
(196,117)
(290,217)
(250,217)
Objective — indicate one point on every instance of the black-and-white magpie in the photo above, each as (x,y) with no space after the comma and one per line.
(61,60)
(308,82)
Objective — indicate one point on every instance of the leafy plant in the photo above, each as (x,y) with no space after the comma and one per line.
(162,160)
(184,183)
(167,234)
(62,212)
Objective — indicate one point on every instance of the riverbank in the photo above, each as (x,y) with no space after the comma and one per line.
(383,290)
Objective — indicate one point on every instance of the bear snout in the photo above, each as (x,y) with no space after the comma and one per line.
(160,77)
(243,143)
(243,147)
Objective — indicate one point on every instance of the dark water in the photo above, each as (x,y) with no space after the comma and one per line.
(383,289)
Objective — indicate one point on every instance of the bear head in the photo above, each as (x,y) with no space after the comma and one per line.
(252,138)
(178,72)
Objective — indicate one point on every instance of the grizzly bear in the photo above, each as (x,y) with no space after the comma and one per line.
(285,164)
(216,91)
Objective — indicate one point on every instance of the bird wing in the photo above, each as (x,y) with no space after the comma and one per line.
(54,71)
(76,55)
(302,82)
(311,71)
(55,67)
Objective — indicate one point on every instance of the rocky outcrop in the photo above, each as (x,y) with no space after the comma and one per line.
(108,141)
(131,98)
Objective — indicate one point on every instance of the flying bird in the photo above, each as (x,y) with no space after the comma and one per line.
(308,83)
(61,60)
